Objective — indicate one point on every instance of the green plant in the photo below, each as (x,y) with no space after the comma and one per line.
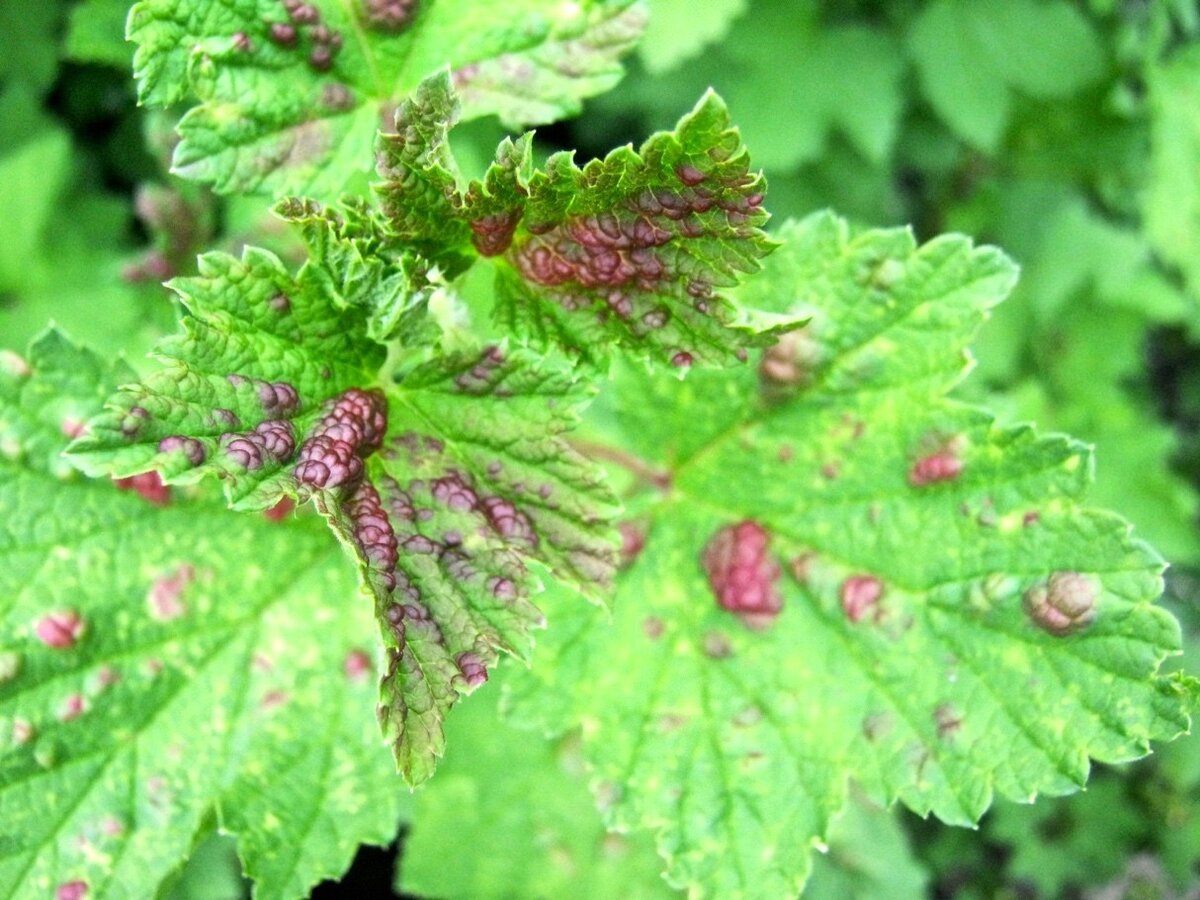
(719,464)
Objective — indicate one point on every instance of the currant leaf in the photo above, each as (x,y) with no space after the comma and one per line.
(635,250)
(350,247)
(261,355)
(445,481)
(291,93)
(163,668)
(472,481)
(947,620)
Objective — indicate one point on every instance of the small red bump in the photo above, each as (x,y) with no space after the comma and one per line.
(60,630)
(164,599)
(653,627)
(357,665)
(148,485)
(73,428)
(71,890)
(280,510)
(943,465)
(112,827)
(682,359)
(633,541)
(472,669)
(742,575)
(22,731)
(861,595)
(948,721)
(73,707)
(690,175)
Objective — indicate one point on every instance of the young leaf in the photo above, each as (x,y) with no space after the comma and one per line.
(351,250)
(444,483)
(162,665)
(291,93)
(635,249)
(852,576)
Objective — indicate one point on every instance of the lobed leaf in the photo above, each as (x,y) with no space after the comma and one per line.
(291,94)
(635,250)
(444,481)
(165,664)
(948,620)
(472,481)
(262,351)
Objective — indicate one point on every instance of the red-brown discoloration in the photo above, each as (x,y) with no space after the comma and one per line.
(860,596)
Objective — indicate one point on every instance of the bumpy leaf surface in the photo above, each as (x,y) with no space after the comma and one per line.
(245,382)
(636,249)
(443,482)
(291,93)
(165,664)
(954,622)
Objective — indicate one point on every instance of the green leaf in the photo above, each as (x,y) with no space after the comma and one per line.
(474,479)
(30,29)
(955,623)
(263,349)
(443,480)
(1172,199)
(350,249)
(678,30)
(165,664)
(32,175)
(298,112)
(525,801)
(790,113)
(96,33)
(972,55)
(868,858)
(634,250)
(1083,841)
